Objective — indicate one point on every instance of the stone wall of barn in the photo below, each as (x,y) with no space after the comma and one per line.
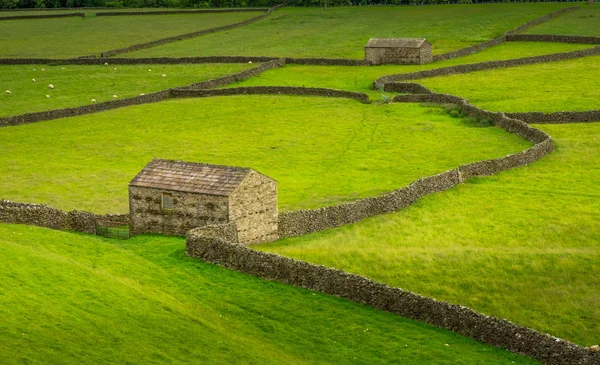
(253,207)
(395,56)
(189,211)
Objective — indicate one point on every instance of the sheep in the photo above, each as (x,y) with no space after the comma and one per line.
(93,100)
(114,96)
(8,92)
(149,70)
(50,86)
(164,75)
(142,94)
(33,80)
(105,63)
(250,62)
(47,96)
(43,69)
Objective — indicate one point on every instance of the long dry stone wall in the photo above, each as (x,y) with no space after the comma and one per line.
(44,216)
(459,69)
(169,12)
(496,41)
(272,90)
(158,42)
(43,16)
(557,117)
(137,100)
(486,329)
(552,38)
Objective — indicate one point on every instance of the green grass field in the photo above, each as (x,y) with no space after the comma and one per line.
(343,32)
(77,299)
(548,87)
(361,78)
(77,85)
(523,245)
(74,37)
(585,21)
(322,151)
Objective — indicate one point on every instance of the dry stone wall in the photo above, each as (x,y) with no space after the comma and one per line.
(557,117)
(21,17)
(553,38)
(472,67)
(169,12)
(490,330)
(44,216)
(272,90)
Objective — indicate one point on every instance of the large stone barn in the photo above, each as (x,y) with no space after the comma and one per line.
(398,51)
(172,197)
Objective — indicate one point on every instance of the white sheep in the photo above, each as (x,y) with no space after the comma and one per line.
(142,94)
(93,100)
(250,62)
(47,96)
(105,63)
(114,96)
(43,69)
(164,75)
(33,80)
(8,92)
(149,69)
(50,86)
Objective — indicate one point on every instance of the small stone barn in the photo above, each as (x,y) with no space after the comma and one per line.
(172,197)
(398,51)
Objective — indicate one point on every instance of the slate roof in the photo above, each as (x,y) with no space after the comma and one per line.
(396,42)
(190,177)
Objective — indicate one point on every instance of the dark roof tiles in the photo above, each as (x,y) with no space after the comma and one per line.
(190,177)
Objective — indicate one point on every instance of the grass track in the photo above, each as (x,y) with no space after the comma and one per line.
(522,245)
(77,85)
(321,150)
(343,32)
(76,299)
(74,37)
(548,87)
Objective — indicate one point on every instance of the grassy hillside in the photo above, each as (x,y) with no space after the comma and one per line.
(547,87)
(76,299)
(74,37)
(585,21)
(77,85)
(343,32)
(523,245)
(321,150)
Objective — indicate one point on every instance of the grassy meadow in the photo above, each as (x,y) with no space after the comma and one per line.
(77,299)
(343,32)
(360,78)
(75,37)
(522,245)
(321,150)
(585,21)
(76,85)
(570,85)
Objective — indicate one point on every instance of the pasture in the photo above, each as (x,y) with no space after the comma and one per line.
(522,244)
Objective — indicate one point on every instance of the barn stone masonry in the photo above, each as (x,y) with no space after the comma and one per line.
(173,197)
(398,51)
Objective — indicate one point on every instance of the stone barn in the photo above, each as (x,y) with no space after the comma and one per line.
(398,51)
(172,197)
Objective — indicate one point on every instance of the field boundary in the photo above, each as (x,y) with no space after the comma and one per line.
(154,97)
(21,17)
(496,41)
(190,11)
(488,65)
(589,116)
(137,47)
(556,38)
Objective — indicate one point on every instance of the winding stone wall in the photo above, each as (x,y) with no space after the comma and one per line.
(496,41)
(272,90)
(472,67)
(136,100)
(158,42)
(490,330)
(557,117)
(44,16)
(169,12)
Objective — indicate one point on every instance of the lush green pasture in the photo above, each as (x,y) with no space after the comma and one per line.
(74,37)
(522,245)
(343,32)
(76,299)
(78,85)
(547,87)
(361,78)
(321,150)
(585,21)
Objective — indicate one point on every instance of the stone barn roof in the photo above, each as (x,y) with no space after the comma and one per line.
(190,177)
(396,42)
